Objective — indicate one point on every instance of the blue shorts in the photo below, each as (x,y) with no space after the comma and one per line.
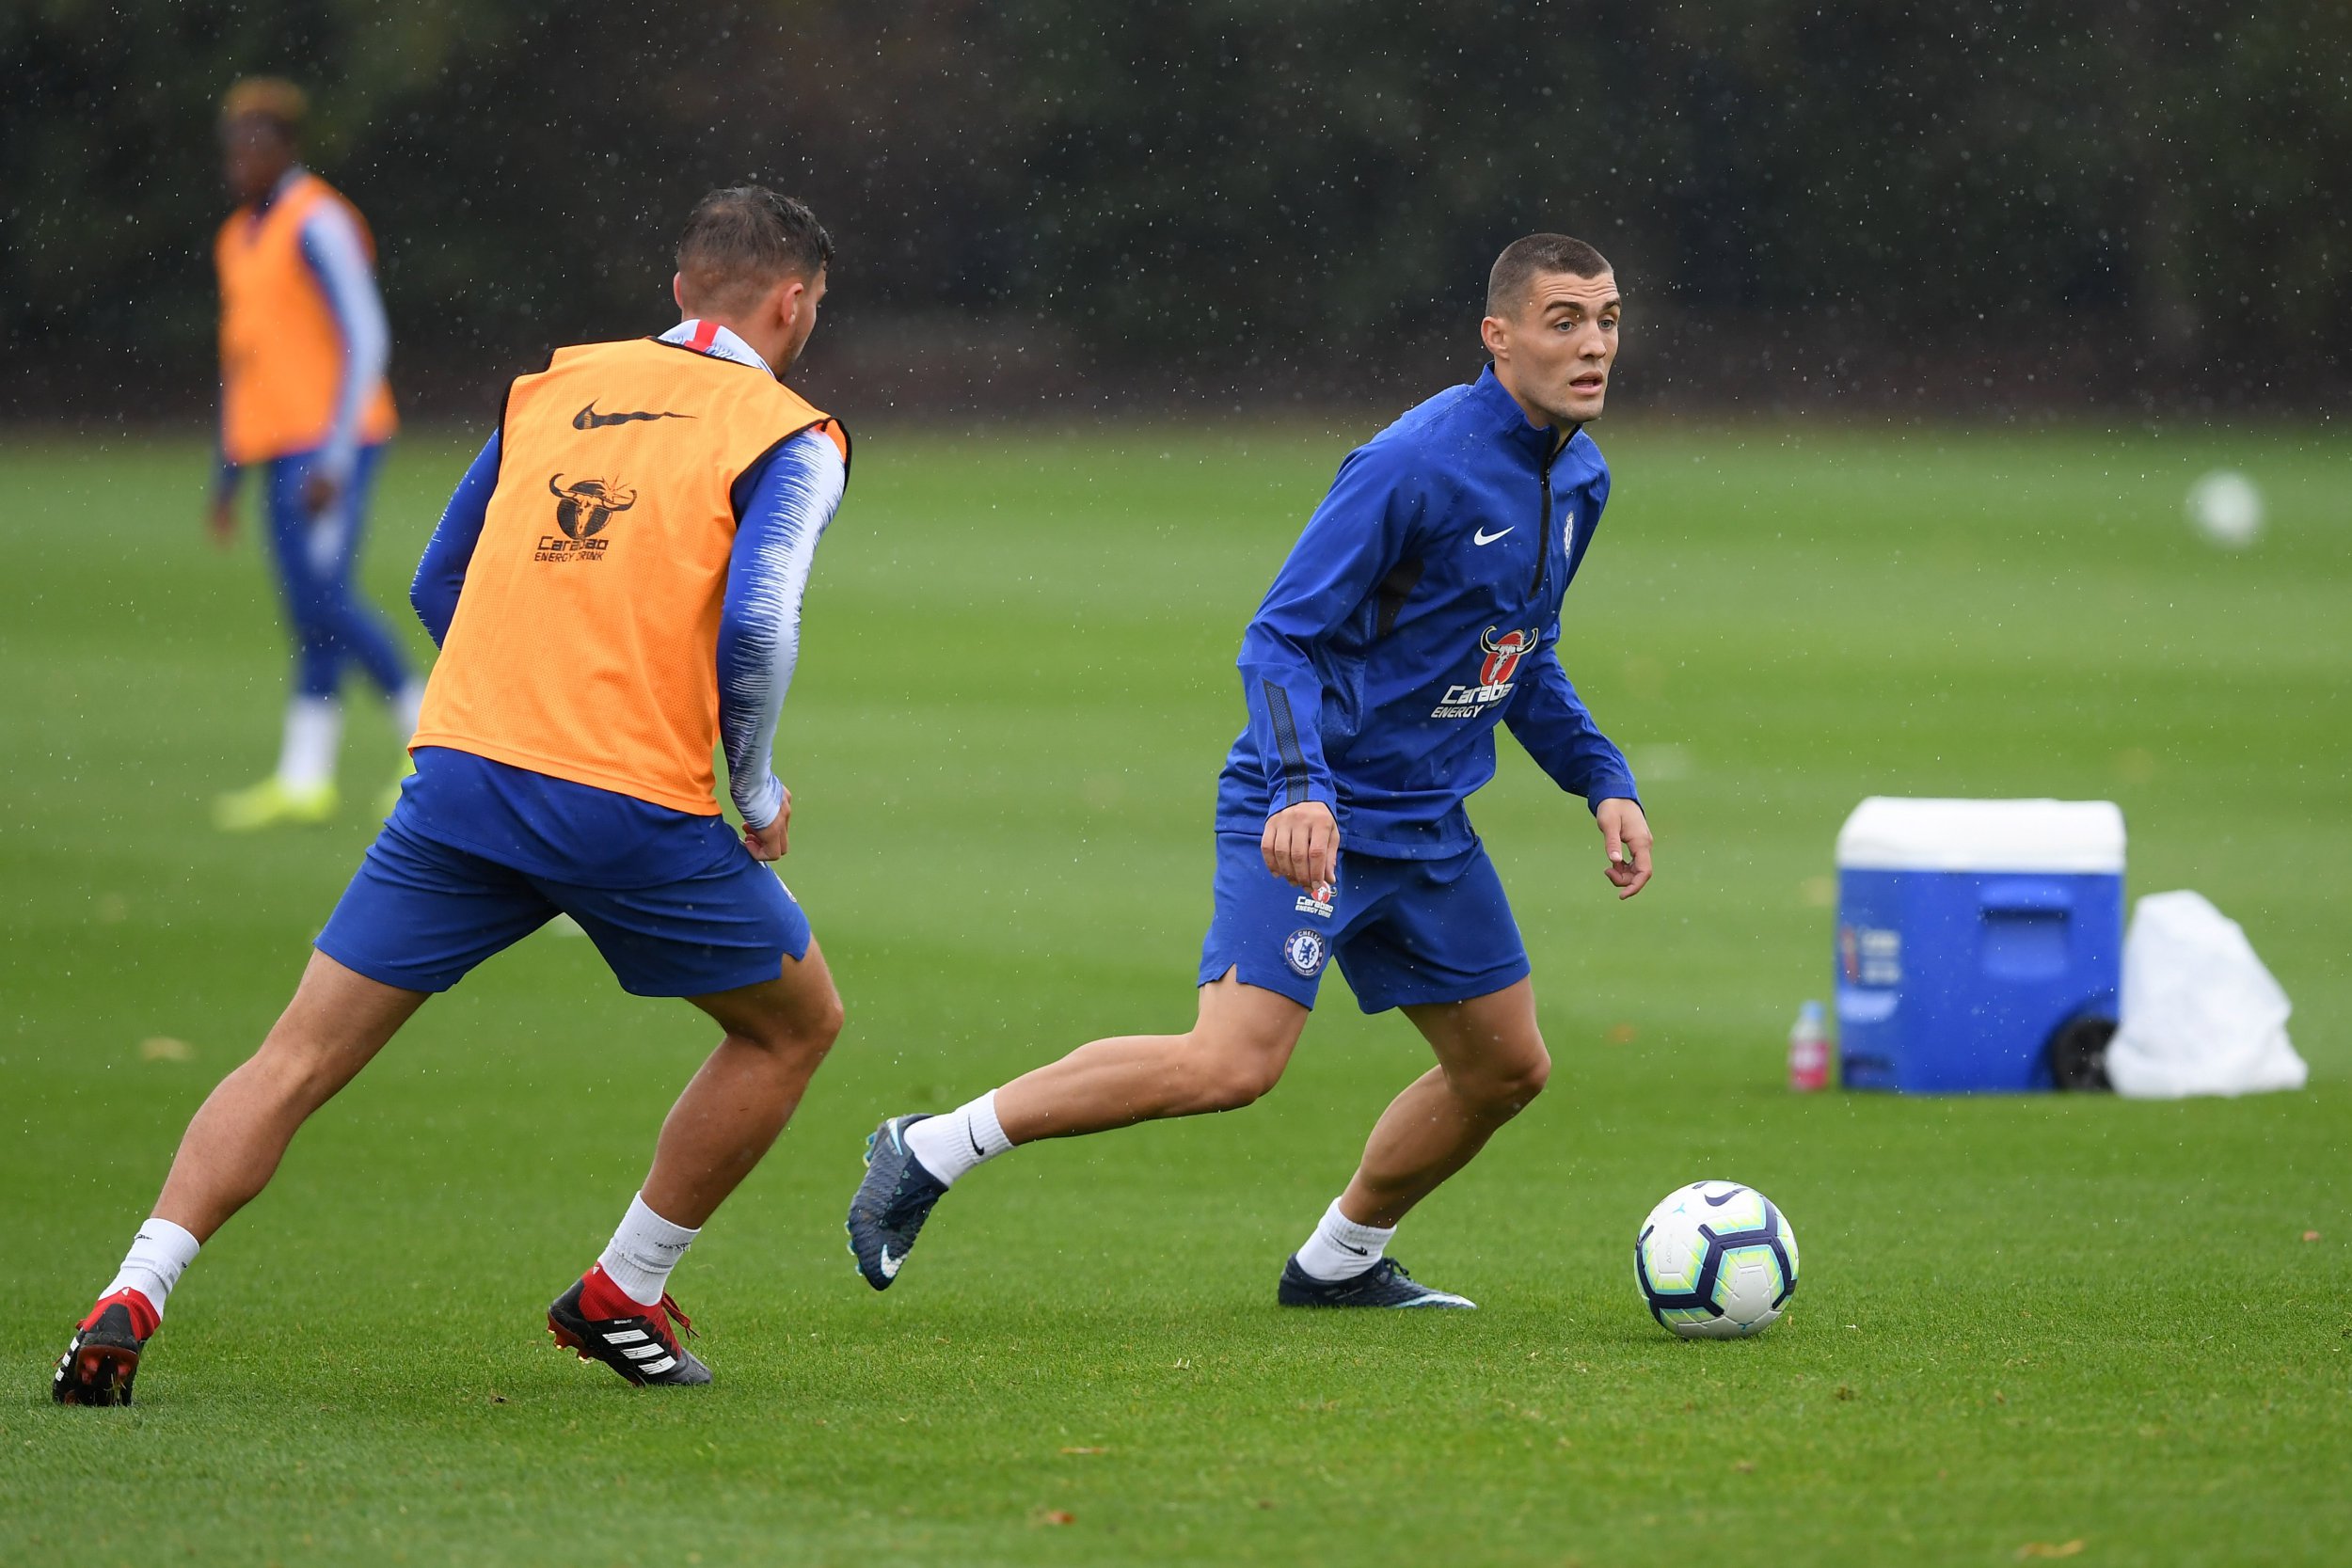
(422,911)
(1405,932)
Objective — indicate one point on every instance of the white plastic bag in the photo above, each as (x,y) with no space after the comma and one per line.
(2201,1013)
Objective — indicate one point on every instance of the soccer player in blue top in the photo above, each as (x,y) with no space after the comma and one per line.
(1420,607)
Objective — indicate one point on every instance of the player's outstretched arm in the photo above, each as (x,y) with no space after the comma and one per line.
(791,503)
(441,573)
(1550,719)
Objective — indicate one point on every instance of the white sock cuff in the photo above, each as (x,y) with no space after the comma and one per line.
(986,1130)
(1341,1249)
(159,1255)
(643,1251)
(1341,1229)
(952,1144)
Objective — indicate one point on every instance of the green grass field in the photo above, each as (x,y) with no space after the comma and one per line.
(2027,1326)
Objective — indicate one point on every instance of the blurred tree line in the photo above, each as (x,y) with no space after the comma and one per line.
(2112,202)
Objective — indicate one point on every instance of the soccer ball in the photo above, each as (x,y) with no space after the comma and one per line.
(1715,1260)
(2225,508)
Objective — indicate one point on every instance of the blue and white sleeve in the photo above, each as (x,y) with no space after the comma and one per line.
(337,255)
(760,625)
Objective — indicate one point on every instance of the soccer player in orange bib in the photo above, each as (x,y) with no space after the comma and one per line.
(616,589)
(303,347)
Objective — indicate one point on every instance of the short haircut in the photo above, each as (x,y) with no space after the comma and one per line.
(746,239)
(1522,260)
(270,97)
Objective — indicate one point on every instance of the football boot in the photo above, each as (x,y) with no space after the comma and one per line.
(1384,1284)
(271,805)
(101,1364)
(597,1319)
(891,1204)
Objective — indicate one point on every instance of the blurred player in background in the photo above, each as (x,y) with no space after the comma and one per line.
(1420,607)
(616,589)
(303,347)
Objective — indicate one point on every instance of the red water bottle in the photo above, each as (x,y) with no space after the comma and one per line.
(1808,1051)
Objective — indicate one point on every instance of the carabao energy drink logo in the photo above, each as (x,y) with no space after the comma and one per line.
(582,512)
(1493,684)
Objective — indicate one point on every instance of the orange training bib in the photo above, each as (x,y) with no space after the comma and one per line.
(585,642)
(281,355)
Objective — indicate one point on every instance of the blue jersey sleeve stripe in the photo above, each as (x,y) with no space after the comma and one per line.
(1278,704)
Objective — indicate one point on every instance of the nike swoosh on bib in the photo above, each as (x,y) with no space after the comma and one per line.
(1483,537)
(588,418)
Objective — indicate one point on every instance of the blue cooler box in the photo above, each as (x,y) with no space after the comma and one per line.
(1967,932)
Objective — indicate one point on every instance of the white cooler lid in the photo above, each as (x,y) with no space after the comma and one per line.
(1891,833)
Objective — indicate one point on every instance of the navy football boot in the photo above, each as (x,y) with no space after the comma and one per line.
(99,1367)
(891,1204)
(1384,1284)
(597,1319)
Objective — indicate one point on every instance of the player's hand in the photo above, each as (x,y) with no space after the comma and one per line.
(1301,845)
(221,521)
(1626,832)
(318,491)
(766,844)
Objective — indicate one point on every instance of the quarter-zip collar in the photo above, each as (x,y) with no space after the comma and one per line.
(1541,443)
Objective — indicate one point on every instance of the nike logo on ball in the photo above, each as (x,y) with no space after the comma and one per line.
(1483,537)
(588,418)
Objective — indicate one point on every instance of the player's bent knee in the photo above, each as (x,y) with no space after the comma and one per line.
(1507,1088)
(806,1030)
(819,1024)
(298,1072)
(1229,1079)
(1532,1080)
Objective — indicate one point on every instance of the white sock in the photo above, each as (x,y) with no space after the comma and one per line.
(1341,1248)
(407,707)
(158,1255)
(966,1136)
(315,731)
(643,1251)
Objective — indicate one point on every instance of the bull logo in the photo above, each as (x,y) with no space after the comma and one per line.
(1502,653)
(583,510)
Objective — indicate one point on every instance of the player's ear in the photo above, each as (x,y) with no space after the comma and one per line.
(677,291)
(1496,336)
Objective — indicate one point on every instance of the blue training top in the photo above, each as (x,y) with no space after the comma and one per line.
(1422,604)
